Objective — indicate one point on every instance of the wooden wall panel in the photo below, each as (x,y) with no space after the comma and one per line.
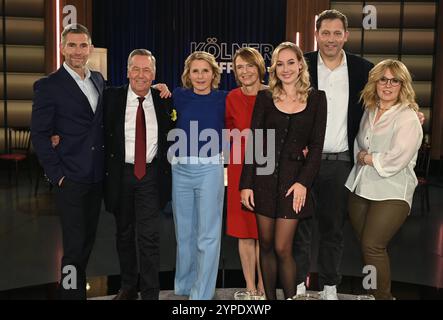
(19,113)
(437,111)
(388,14)
(419,15)
(24,59)
(418,41)
(352,10)
(385,41)
(300,17)
(24,8)
(50,37)
(20,85)
(23,31)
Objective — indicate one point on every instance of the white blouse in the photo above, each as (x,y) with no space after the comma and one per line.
(393,143)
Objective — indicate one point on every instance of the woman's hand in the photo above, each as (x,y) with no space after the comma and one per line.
(247,198)
(361,156)
(164,90)
(299,199)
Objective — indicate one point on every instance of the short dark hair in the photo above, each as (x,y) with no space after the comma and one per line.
(75,28)
(331,15)
(250,55)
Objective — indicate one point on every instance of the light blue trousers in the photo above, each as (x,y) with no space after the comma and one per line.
(197,203)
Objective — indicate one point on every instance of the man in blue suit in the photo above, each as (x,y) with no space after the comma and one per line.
(68,103)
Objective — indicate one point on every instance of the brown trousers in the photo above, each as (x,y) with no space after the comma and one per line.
(375,223)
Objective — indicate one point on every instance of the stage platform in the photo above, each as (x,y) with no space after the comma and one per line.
(228,294)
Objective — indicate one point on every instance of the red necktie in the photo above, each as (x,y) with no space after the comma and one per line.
(140,141)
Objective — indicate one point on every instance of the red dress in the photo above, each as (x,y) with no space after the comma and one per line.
(239,223)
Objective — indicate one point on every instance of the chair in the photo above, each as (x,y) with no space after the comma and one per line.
(422,171)
(18,150)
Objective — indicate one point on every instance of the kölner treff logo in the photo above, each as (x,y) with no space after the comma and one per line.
(224,52)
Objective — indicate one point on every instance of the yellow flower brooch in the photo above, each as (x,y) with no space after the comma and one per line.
(174,115)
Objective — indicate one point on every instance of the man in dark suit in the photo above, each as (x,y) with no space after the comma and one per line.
(138,180)
(69,102)
(342,76)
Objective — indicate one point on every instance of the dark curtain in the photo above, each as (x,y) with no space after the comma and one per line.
(168,27)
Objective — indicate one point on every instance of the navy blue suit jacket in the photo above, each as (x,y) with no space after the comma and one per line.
(358,70)
(60,107)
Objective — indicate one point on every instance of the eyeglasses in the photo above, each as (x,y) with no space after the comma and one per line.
(393,81)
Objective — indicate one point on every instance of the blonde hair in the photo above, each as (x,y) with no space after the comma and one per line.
(303,85)
(406,96)
(252,56)
(209,58)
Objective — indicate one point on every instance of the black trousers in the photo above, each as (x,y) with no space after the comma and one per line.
(78,205)
(138,224)
(331,198)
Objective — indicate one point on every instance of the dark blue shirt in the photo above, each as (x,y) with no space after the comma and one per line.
(205,112)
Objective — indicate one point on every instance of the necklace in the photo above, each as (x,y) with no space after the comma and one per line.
(290,98)
(380,108)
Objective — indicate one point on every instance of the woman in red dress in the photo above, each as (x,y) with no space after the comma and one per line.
(249,69)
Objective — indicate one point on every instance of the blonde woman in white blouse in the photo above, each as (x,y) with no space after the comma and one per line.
(382,181)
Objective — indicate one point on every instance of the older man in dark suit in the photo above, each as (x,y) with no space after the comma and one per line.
(138,179)
(69,103)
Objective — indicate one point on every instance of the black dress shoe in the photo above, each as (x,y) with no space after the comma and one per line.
(125,294)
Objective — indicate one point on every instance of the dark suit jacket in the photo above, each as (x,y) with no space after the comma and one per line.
(60,107)
(114,120)
(358,70)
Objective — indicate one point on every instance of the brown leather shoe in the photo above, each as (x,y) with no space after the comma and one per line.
(125,294)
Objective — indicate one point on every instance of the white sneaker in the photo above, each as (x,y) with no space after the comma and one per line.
(301,289)
(329,293)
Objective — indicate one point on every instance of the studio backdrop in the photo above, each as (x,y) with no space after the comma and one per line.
(172,29)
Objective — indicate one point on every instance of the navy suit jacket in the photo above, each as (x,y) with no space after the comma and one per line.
(61,108)
(358,70)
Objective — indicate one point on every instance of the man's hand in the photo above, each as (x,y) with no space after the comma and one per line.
(55,140)
(164,90)
(421,117)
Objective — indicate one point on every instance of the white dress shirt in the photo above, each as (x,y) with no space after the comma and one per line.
(393,143)
(86,85)
(151,126)
(335,83)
